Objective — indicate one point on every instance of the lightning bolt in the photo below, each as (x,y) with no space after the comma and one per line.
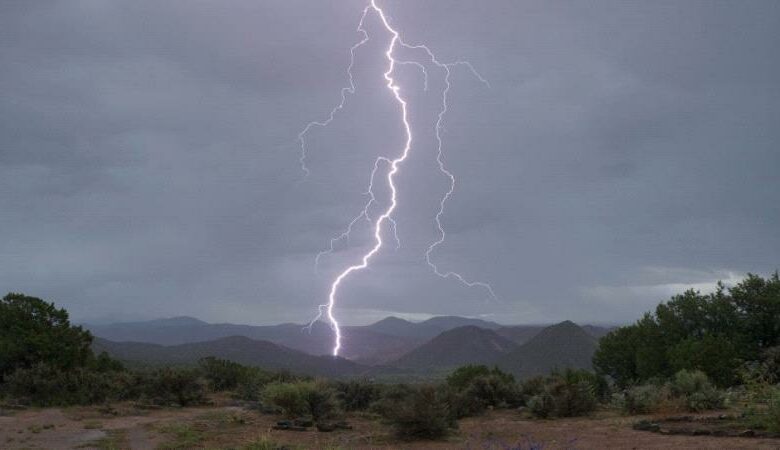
(393,165)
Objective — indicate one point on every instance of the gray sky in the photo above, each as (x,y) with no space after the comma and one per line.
(149,165)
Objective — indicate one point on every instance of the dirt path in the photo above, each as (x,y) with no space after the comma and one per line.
(218,427)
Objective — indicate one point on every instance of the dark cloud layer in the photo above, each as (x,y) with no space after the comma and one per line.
(148,162)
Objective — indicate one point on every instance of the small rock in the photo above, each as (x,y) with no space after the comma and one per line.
(746,433)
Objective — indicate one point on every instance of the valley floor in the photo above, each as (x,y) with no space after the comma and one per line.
(229,427)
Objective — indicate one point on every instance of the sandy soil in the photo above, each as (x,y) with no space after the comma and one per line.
(217,427)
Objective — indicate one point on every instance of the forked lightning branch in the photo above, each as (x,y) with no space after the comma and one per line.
(392,165)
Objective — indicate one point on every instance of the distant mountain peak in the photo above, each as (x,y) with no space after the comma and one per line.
(392,320)
(560,346)
(468,344)
(178,321)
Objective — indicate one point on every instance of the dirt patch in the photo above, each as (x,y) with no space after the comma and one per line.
(125,426)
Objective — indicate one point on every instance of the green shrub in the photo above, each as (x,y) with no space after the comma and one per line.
(104,363)
(642,399)
(470,389)
(463,376)
(302,398)
(773,412)
(567,394)
(598,383)
(688,390)
(34,331)
(221,374)
(423,414)
(287,397)
(541,405)
(320,400)
(532,387)
(770,364)
(696,391)
(389,396)
(45,385)
(357,395)
(573,398)
(180,386)
(768,417)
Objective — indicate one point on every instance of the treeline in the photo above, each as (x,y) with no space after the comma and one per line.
(731,335)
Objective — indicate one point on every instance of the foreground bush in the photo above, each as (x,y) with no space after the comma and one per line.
(221,374)
(47,385)
(471,389)
(643,399)
(696,391)
(174,386)
(357,395)
(33,331)
(422,414)
(303,398)
(252,385)
(567,394)
(690,391)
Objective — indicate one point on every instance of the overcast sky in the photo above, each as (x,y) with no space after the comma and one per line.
(626,150)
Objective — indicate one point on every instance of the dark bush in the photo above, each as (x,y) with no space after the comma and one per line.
(33,331)
(221,374)
(642,399)
(320,400)
(251,386)
(531,387)
(770,364)
(423,414)
(696,391)
(174,386)
(568,394)
(357,395)
(572,398)
(542,405)
(45,385)
(389,397)
(688,391)
(302,398)
(470,389)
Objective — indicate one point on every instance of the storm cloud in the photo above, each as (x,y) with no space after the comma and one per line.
(625,150)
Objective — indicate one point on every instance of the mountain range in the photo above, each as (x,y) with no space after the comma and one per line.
(389,346)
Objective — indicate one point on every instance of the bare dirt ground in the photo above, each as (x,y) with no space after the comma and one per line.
(230,427)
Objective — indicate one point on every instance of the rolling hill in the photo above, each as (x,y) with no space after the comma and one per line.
(520,334)
(565,345)
(239,349)
(463,345)
(364,343)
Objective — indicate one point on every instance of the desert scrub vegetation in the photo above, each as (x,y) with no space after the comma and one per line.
(46,361)
(357,395)
(471,389)
(315,399)
(174,386)
(687,391)
(423,413)
(563,394)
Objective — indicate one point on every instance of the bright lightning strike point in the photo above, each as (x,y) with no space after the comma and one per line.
(394,165)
